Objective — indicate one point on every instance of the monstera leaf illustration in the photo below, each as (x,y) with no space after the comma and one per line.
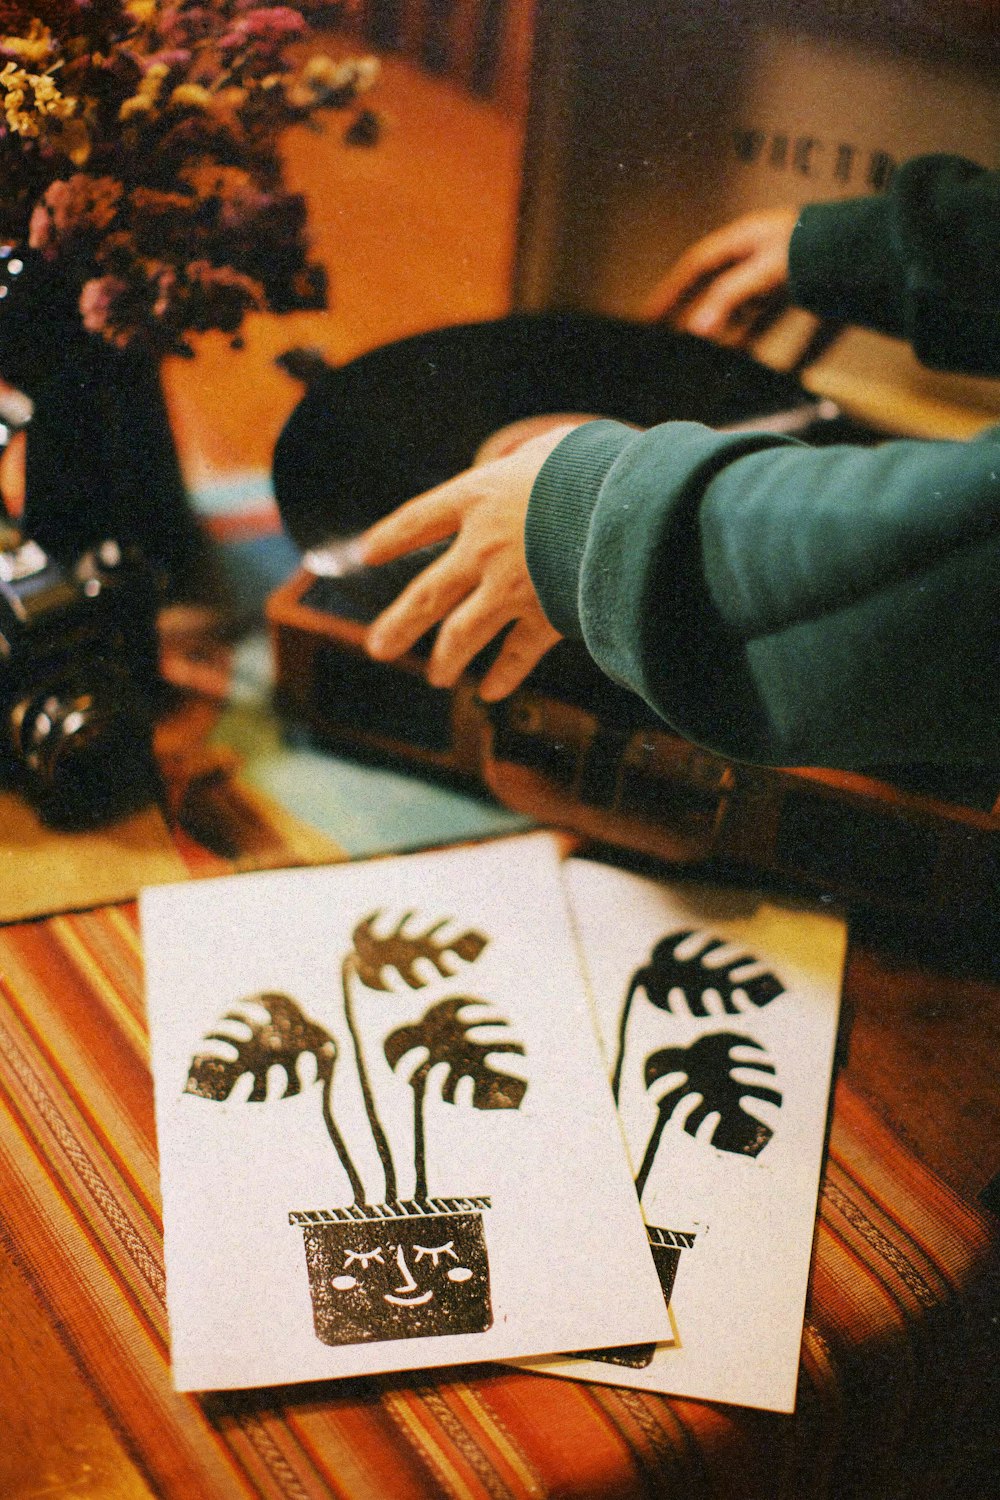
(694,976)
(708,1067)
(260,1045)
(399,950)
(443,1034)
(371,961)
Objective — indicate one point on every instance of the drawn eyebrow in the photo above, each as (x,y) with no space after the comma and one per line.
(435,1251)
(364,1256)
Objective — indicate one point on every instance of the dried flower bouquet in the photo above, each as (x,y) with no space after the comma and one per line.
(139,155)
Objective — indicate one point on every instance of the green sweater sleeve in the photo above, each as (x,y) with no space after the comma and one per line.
(919,262)
(779,603)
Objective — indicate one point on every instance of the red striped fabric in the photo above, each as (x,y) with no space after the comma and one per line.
(891,1352)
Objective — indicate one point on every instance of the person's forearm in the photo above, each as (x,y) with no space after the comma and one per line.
(781,603)
(918,262)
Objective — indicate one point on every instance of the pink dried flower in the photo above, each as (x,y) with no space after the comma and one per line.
(76,207)
(239,201)
(170,58)
(220,297)
(257,40)
(182,26)
(273,25)
(97,300)
(140,150)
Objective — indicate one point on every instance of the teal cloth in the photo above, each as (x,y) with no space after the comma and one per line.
(793,605)
(919,261)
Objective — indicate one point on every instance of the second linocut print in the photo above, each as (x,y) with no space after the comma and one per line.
(717,1010)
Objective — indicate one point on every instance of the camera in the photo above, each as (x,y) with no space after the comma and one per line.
(78,672)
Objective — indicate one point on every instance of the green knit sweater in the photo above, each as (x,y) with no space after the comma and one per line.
(790,605)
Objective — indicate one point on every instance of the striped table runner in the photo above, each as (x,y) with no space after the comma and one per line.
(890,1354)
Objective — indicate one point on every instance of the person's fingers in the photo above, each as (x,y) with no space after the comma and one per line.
(525,645)
(469,627)
(761,239)
(730,295)
(699,260)
(428,518)
(424,601)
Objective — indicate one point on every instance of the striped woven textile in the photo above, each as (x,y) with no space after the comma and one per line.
(892,1357)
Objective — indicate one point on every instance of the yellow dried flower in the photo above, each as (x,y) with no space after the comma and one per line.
(36,47)
(28,98)
(138,104)
(74,138)
(191,96)
(359,73)
(142,11)
(322,76)
(48,99)
(231,98)
(146,96)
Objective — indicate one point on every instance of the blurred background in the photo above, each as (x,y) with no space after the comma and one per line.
(538,153)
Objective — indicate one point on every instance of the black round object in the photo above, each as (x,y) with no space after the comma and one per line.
(85,751)
(393,423)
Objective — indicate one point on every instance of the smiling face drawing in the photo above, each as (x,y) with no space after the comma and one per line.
(398,1279)
(408,1292)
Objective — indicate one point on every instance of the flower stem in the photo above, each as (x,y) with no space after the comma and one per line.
(418,1084)
(378,1134)
(623,1027)
(650,1156)
(339,1145)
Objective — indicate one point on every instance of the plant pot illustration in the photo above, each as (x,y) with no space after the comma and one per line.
(628,1356)
(665,1246)
(394,1269)
(398,1270)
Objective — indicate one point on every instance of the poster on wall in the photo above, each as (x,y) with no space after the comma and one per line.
(717,1011)
(386,1135)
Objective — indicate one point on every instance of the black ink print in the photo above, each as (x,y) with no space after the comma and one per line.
(372,954)
(444,1037)
(390,1270)
(420,1273)
(368,961)
(681,984)
(693,977)
(280,1041)
(665,1246)
(708,1067)
(626,1356)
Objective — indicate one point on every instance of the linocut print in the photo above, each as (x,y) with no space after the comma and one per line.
(386,1134)
(717,1012)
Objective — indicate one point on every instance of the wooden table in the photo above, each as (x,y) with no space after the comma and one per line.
(923,1043)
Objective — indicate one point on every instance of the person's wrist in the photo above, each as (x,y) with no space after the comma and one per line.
(560,506)
(509,439)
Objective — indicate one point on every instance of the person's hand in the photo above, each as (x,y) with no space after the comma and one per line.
(721,285)
(480,584)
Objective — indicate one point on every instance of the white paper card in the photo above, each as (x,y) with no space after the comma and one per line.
(386,1135)
(718,1015)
